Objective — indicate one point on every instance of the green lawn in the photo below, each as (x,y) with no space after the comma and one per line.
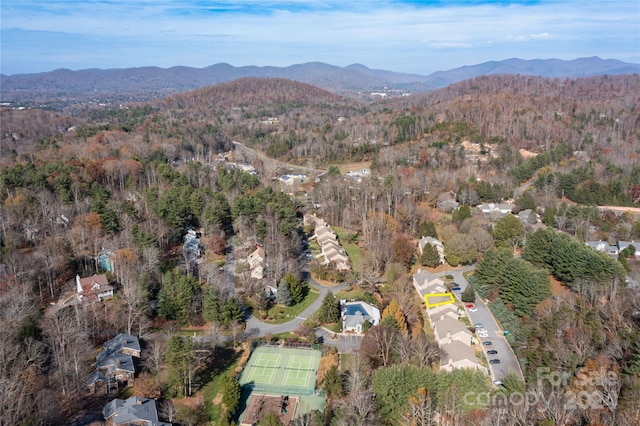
(352,248)
(211,389)
(357,294)
(280,314)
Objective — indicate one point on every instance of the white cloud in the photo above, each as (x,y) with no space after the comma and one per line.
(540,36)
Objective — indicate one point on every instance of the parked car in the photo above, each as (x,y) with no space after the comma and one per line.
(473,310)
(456,288)
(478,325)
(492,352)
(487,343)
(497,382)
(470,306)
(494,361)
(482,333)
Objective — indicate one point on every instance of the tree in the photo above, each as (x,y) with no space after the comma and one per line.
(284,295)
(231,393)
(468,295)
(508,232)
(427,229)
(403,250)
(270,419)
(168,410)
(460,249)
(461,213)
(378,344)
(329,310)
(395,385)
(180,356)
(261,300)
(295,287)
(394,311)
(358,407)
(421,410)
(332,383)
(179,298)
(430,256)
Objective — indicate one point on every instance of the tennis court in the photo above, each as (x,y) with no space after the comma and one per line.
(282,370)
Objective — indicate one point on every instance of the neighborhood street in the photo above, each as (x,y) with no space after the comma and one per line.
(508,361)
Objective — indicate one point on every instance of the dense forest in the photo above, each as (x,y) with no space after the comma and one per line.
(131,181)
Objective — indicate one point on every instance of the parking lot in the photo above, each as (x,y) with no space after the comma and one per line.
(345,343)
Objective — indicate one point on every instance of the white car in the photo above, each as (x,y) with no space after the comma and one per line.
(482,333)
(473,310)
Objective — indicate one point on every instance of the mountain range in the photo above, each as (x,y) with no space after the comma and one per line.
(152,82)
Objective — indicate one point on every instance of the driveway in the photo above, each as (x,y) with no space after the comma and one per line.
(508,361)
(345,343)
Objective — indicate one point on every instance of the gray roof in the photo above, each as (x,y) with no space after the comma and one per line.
(353,320)
(134,409)
(111,357)
(120,342)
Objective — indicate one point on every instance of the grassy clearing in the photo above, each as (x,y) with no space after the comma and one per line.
(350,246)
(357,294)
(213,408)
(280,314)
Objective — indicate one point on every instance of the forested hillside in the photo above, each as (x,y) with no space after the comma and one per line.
(131,181)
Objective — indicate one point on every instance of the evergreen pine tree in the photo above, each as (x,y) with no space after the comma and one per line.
(330,309)
(295,287)
(430,256)
(427,229)
(284,296)
(468,295)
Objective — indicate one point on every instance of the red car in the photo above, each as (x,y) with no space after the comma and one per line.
(470,305)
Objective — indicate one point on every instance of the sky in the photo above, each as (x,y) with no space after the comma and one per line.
(412,36)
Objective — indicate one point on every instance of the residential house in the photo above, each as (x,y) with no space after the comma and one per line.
(615,249)
(439,312)
(528,217)
(459,355)
(355,313)
(447,203)
(604,247)
(625,245)
(434,242)
(332,251)
(449,330)
(358,175)
(496,211)
(292,179)
(134,411)
(192,248)
(95,287)
(114,363)
(256,262)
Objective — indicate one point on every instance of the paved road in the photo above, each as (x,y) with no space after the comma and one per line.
(282,164)
(508,361)
(258,328)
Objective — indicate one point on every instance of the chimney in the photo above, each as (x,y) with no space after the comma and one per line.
(78,285)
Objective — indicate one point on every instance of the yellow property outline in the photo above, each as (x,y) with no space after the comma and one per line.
(433,305)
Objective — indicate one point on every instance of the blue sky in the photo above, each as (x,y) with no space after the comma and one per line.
(406,36)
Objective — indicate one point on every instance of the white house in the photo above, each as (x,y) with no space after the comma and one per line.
(434,242)
(93,287)
(355,313)
(292,179)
